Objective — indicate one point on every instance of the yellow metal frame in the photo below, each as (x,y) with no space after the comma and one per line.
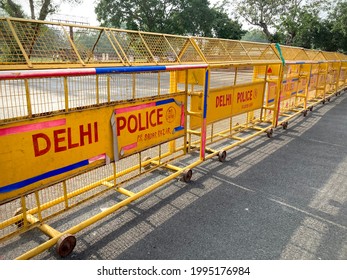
(34,45)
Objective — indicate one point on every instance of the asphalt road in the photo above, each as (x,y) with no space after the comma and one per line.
(278,198)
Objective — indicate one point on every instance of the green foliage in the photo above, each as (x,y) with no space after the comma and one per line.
(261,13)
(255,35)
(224,27)
(12,9)
(182,17)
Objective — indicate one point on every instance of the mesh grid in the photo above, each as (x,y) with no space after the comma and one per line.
(13,102)
(133,47)
(212,49)
(45,43)
(10,51)
(236,51)
(160,48)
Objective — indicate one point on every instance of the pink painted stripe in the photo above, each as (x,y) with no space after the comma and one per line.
(203,138)
(31,127)
(99,157)
(182,115)
(183,67)
(130,146)
(134,108)
(46,73)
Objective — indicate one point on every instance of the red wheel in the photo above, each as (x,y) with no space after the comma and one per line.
(65,245)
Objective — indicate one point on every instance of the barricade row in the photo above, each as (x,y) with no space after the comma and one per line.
(108,129)
(71,136)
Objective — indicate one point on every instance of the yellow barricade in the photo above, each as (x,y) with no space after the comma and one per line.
(88,111)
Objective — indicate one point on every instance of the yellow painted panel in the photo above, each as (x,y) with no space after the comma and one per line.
(143,125)
(272,87)
(226,102)
(302,83)
(248,98)
(195,77)
(41,152)
(289,88)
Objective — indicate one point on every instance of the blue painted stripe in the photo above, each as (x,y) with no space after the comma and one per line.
(271,100)
(129,69)
(293,93)
(43,176)
(163,102)
(295,79)
(179,128)
(300,91)
(205,94)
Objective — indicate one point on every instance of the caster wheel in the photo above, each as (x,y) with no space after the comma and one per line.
(19,223)
(65,245)
(285,125)
(222,155)
(269,132)
(148,166)
(311,108)
(304,113)
(323,102)
(328,99)
(187,175)
(187,147)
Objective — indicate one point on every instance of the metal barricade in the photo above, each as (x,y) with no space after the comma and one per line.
(87,111)
(77,137)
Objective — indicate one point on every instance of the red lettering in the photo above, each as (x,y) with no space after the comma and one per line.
(244,96)
(70,145)
(37,150)
(121,123)
(58,139)
(150,118)
(96,134)
(87,133)
(134,128)
(159,116)
(217,101)
(140,122)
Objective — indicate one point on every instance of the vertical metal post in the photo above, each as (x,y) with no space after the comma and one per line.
(27,94)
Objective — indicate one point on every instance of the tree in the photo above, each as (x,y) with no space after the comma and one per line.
(12,9)
(224,27)
(300,18)
(44,7)
(255,35)
(338,21)
(261,13)
(181,17)
(147,15)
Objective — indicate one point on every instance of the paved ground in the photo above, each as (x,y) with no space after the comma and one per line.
(279,198)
